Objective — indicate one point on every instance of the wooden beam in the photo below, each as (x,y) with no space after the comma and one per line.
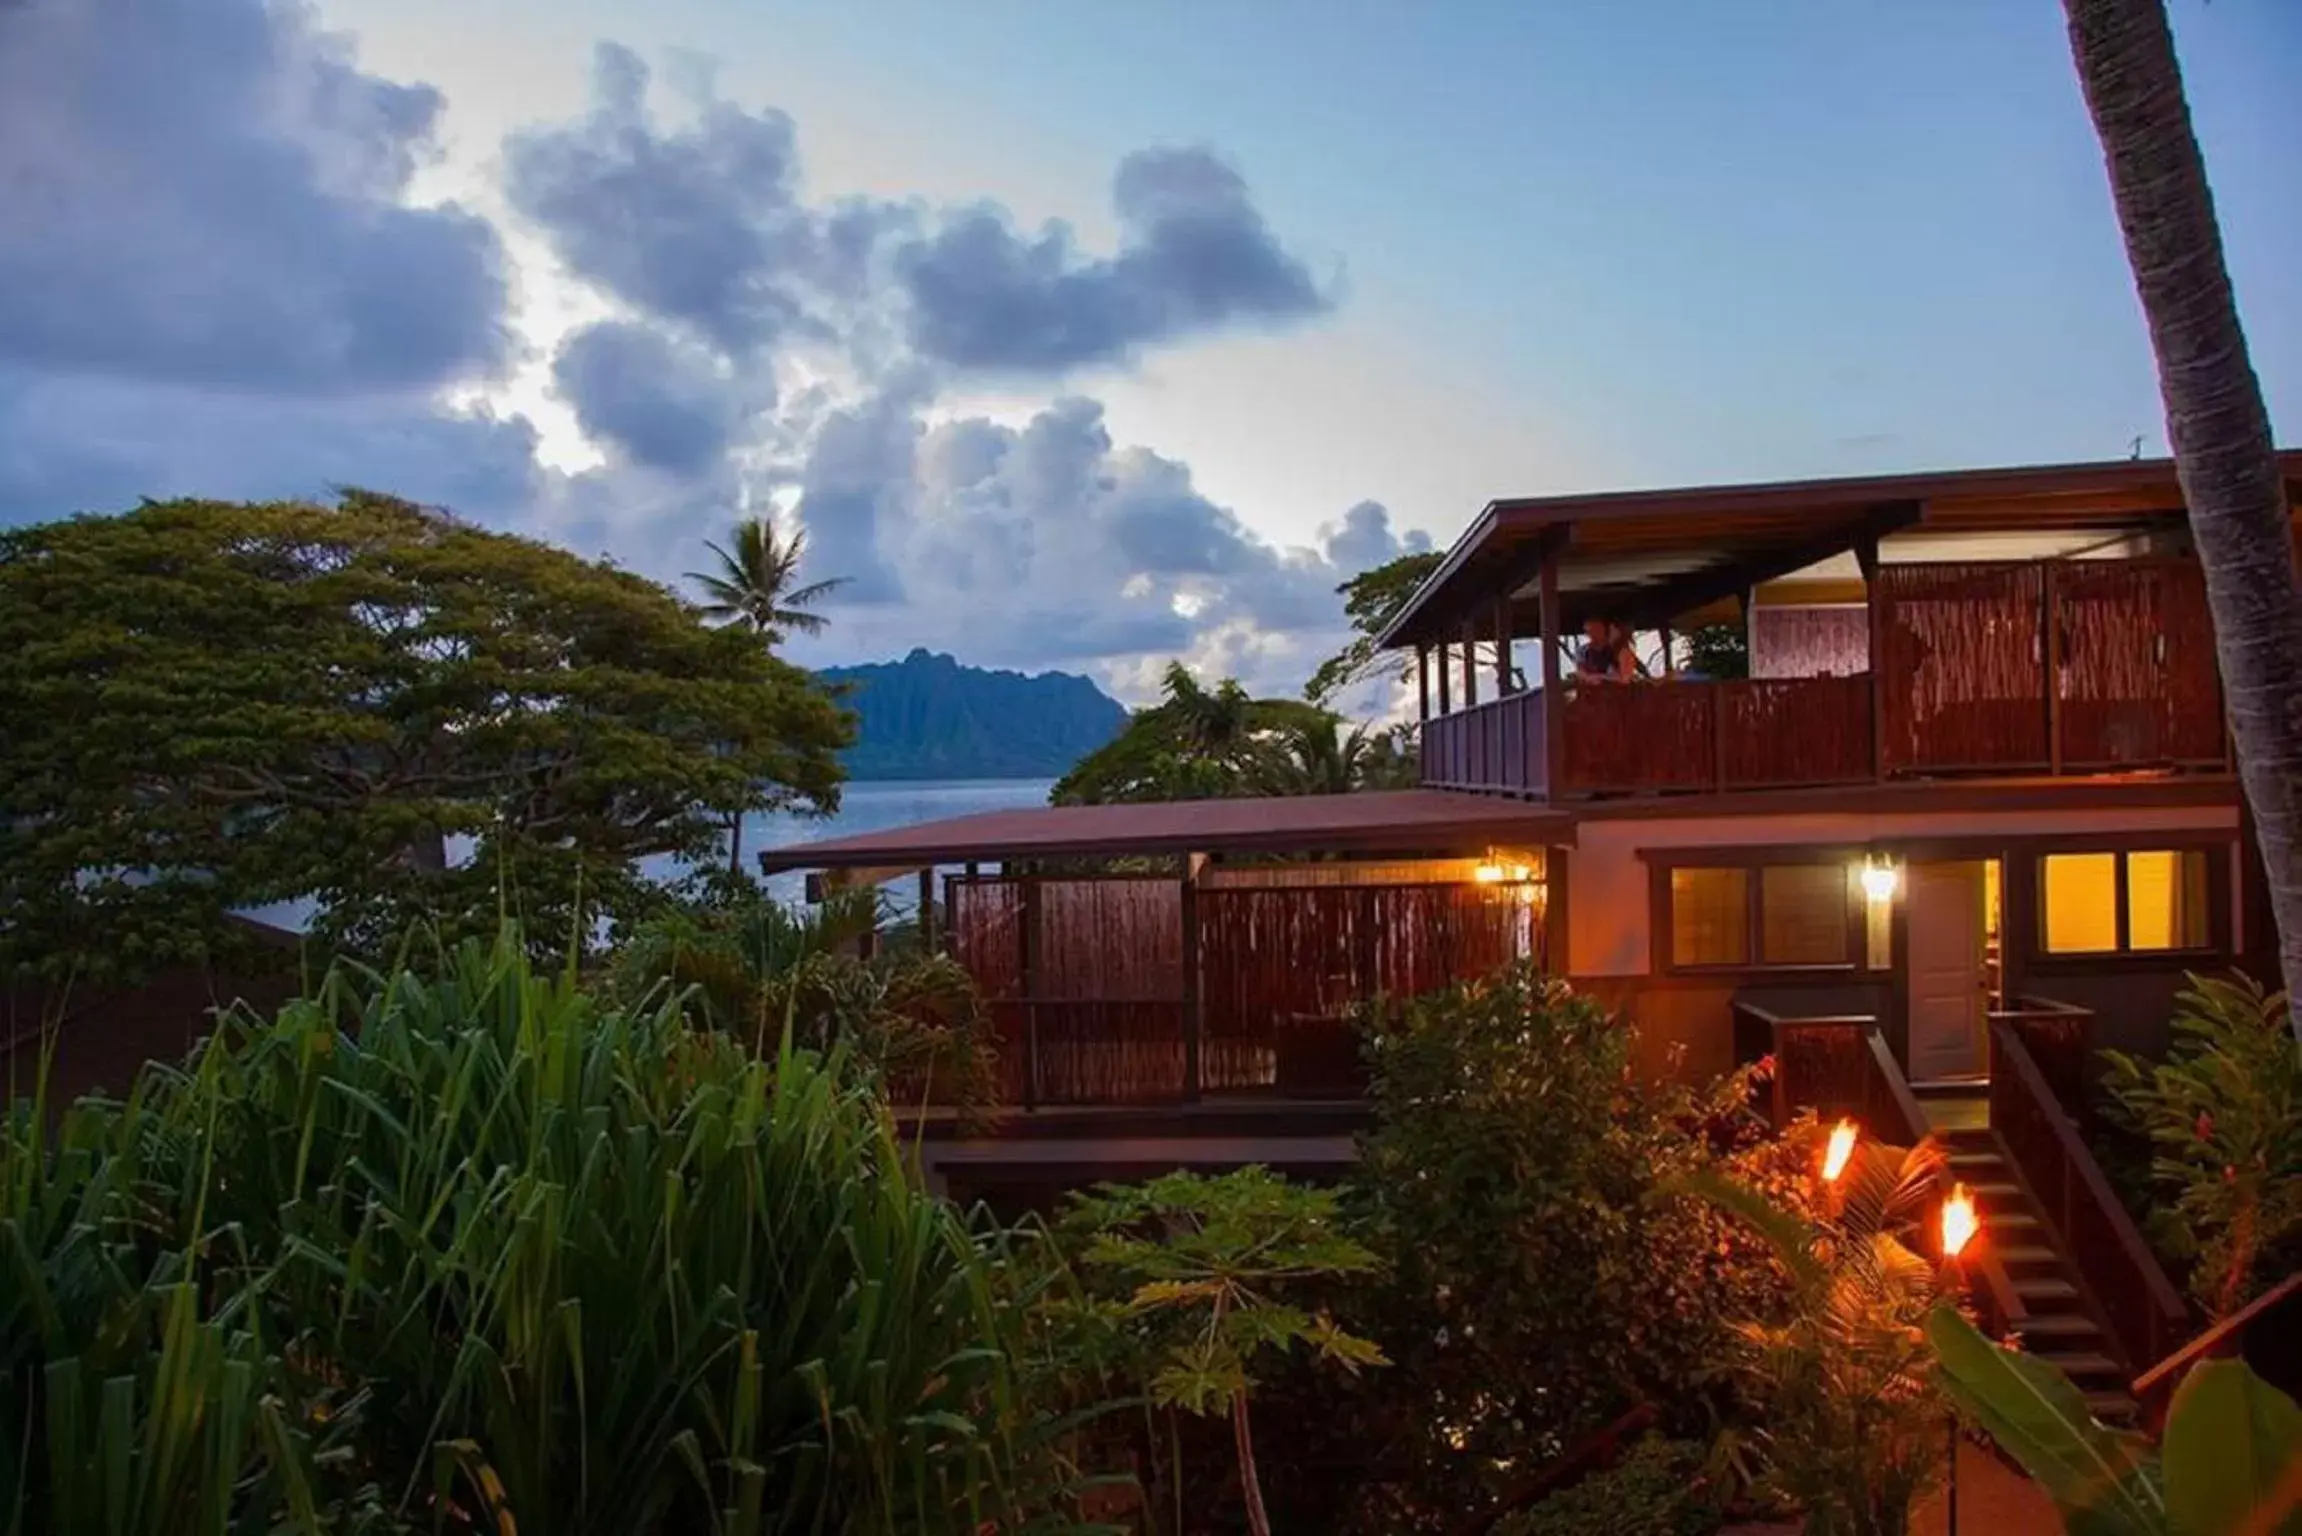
(1502,644)
(1554,742)
(1446,705)
(1422,681)
(1669,599)
(1470,663)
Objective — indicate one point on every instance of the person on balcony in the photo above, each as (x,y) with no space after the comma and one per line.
(1606,656)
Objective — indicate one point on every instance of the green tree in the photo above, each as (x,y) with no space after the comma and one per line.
(1371,600)
(214,706)
(1329,758)
(757,584)
(2215,419)
(1197,743)
(1196,1274)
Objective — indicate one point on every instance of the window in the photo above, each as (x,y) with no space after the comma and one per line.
(1710,917)
(2148,900)
(1774,915)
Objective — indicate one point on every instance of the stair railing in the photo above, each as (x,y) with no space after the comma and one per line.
(2154,1388)
(1893,1112)
(2114,1266)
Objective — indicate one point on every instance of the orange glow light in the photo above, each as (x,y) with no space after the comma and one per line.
(1841,1148)
(1959,1222)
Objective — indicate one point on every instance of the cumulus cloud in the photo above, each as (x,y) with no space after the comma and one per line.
(1364,540)
(658,400)
(212,194)
(1195,255)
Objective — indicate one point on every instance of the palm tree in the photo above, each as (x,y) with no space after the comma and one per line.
(2215,419)
(755,583)
(754,587)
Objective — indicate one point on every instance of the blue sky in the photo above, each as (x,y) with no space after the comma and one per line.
(1405,255)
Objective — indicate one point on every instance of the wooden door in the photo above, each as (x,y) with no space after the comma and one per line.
(1949,981)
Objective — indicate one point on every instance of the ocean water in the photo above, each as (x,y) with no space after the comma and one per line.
(865,805)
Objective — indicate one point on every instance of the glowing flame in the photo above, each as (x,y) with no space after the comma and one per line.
(1959,1222)
(1834,1158)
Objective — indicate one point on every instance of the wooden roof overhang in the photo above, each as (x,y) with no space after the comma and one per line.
(1406,821)
(1649,558)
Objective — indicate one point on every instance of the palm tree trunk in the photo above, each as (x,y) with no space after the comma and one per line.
(2215,420)
(735,844)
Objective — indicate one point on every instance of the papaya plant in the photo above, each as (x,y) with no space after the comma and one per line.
(2230,1463)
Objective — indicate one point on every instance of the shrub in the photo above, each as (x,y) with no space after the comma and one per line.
(2222,1116)
(1543,1274)
(1662,1488)
(503,1255)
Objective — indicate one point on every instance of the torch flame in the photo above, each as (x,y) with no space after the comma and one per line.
(1959,1222)
(1841,1148)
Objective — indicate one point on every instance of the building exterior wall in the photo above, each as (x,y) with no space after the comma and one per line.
(1684,1020)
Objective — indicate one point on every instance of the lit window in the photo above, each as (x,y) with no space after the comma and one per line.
(2166,899)
(1710,916)
(1803,914)
(2103,903)
(2079,892)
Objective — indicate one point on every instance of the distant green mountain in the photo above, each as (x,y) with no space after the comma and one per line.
(928,717)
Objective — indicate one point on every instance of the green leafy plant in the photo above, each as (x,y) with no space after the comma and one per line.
(1196,1277)
(483,1250)
(1849,1420)
(2222,1116)
(1661,1488)
(1371,600)
(1543,1273)
(2229,1464)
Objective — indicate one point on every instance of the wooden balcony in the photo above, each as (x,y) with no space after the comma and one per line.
(2071,667)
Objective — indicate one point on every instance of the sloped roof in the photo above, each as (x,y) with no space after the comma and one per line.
(1385,821)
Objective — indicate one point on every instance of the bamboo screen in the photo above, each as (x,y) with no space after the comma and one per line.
(1807,641)
(1090,1010)
(2138,678)
(1962,668)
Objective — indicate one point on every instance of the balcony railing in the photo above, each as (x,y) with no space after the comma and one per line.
(2032,668)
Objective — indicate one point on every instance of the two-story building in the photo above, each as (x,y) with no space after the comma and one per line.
(1970,815)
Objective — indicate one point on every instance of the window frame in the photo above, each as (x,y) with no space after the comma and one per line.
(2217,856)
(1753,862)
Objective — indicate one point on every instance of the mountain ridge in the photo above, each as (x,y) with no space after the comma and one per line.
(931,716)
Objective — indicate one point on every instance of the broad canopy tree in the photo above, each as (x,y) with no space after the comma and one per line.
(214,706)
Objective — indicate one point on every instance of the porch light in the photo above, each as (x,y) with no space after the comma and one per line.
(1880,880)
(1488,874)
(1841,1149)
(1959,1222)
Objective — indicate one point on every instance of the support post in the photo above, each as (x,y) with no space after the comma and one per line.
(1028,936)
(1423,683)
(1554,734)
(1866,558)
(1670,662)
(1557,936)
(927,909)
(1193,1027)
(1470,663)
(1446,704)
(1503,645)
(2050,598)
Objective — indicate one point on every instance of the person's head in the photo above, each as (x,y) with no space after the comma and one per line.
(1598,631)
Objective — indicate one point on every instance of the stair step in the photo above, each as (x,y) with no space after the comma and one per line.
(2113,1407)
(1977,1088)
(2058,1325)
(2012,1256)
(1985,1158)
(2012,1224)
(2045,1288)
(2085,1364)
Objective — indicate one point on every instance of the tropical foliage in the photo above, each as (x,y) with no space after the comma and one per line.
(1849,1421)
(757,586)
(2221,1115)
(313,703)
(1192,1278)
(1201,743)
(759,969)
(2230,1460)
(1371,600)
(463,1248)
(1661,1488)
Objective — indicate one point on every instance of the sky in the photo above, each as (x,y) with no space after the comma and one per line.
(1080,335)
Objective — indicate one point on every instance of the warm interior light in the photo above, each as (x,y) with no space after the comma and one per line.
(1488,874)
(1521,873)
(1879,880)
(1841,1148)
(1959,1222)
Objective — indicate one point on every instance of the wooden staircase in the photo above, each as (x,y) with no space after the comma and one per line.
(2062,1327)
